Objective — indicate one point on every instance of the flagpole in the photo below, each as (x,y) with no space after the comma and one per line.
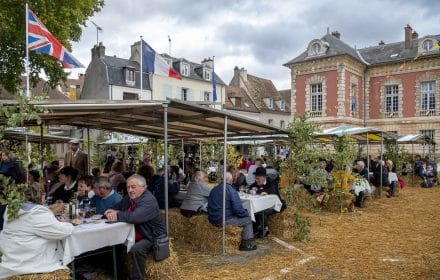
(28,95)
(214,84)
(140,70)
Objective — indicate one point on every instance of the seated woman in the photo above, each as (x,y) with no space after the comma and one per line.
(68,186)
(196,199)
(392,178)
(116,176)
(37,230)
(36,188)
(157,187)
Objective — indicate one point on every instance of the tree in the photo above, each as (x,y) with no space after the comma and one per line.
(62,18)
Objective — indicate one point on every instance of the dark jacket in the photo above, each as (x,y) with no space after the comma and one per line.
(234,208)
(64,195)
(157,188)
(376,176)
(269,188)
(364,173)
(146,215)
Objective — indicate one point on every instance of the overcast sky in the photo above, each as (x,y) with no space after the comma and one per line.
(257,35)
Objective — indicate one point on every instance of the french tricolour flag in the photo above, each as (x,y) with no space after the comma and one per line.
(154,63)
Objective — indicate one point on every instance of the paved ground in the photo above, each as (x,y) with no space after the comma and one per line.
(396,238)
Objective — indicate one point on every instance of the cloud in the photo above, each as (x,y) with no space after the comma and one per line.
(257,35)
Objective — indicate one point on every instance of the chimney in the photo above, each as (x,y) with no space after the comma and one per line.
(208,62)
(415,35)
(98,51)
(408,36)
(243,74)
(381,43)
(336,34)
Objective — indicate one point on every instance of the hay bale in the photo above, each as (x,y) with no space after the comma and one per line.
(166,269)
(206,237)
(60,274)
(177,223)
(282,224)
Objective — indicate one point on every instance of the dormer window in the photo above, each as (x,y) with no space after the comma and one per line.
(207,74)
(283,105)
(129,76)
(269,103)
(184,69)
(428,45)
(169,61)
(316,48)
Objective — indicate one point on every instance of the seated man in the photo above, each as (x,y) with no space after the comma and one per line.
(29,242)
(235,214)
(264,186)
(106,197)
(140,208)
(196,199)
(361,170)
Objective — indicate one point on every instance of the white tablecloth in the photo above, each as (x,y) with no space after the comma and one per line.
(89,237)
(361,186)
(257,203)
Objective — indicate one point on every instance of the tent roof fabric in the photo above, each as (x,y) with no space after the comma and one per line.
(355,134)
(415,139)
(20,135)
(146,118)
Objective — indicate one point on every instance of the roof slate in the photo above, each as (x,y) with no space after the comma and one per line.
(115,68)
(371,55)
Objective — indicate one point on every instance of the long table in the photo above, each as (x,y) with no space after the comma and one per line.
(258,203)
(92,236)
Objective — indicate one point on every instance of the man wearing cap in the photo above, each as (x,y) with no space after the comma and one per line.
(263,186)
(76,158)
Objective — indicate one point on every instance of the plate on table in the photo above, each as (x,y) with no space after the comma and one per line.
(96,217)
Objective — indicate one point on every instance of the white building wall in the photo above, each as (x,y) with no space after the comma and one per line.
(264,117)
(117,93)
(166,87)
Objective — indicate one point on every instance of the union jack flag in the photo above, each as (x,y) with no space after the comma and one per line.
(42,41)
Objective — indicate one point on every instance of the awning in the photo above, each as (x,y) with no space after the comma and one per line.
(20,135)
(415,139)
(355,134)
(146,118)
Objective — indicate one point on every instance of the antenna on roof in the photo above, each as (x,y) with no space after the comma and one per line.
(328,30)
(98,28)
(169,45)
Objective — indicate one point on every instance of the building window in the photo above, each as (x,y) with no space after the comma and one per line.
(207,74)
(283,105)
(427,91)
(427,45)
(130,96)
(129,76)
(269,102)
(184,94)
(316,48)
(282,124)
(270,122)
(316,100)
(207,96)
(184,69)
(391,101)
(353,101)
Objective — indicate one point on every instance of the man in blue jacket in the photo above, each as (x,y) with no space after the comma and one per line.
(235,214)
(140,208)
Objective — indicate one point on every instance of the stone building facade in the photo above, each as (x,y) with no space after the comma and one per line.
(394,87)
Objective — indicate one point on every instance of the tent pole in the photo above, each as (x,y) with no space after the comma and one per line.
(381,161)
(200,151)
(165,154)
(183,157)
(41,147)
(224,185)
(368,156)
(88,150)
(414,163)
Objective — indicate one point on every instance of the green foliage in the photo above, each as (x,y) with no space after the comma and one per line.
(302,226)
(304,153)
(397,154)
(14,196)
(35,155)
(62,18)
(344,153)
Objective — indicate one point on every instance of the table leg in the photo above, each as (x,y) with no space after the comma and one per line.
(115,265)
(263,226)
(72,265)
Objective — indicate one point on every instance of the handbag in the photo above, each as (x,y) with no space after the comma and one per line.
(161,248)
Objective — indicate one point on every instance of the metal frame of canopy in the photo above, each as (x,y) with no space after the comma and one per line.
(156,119)
(359,135)
(416,139)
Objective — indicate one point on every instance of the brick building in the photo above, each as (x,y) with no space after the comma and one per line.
(394,87)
